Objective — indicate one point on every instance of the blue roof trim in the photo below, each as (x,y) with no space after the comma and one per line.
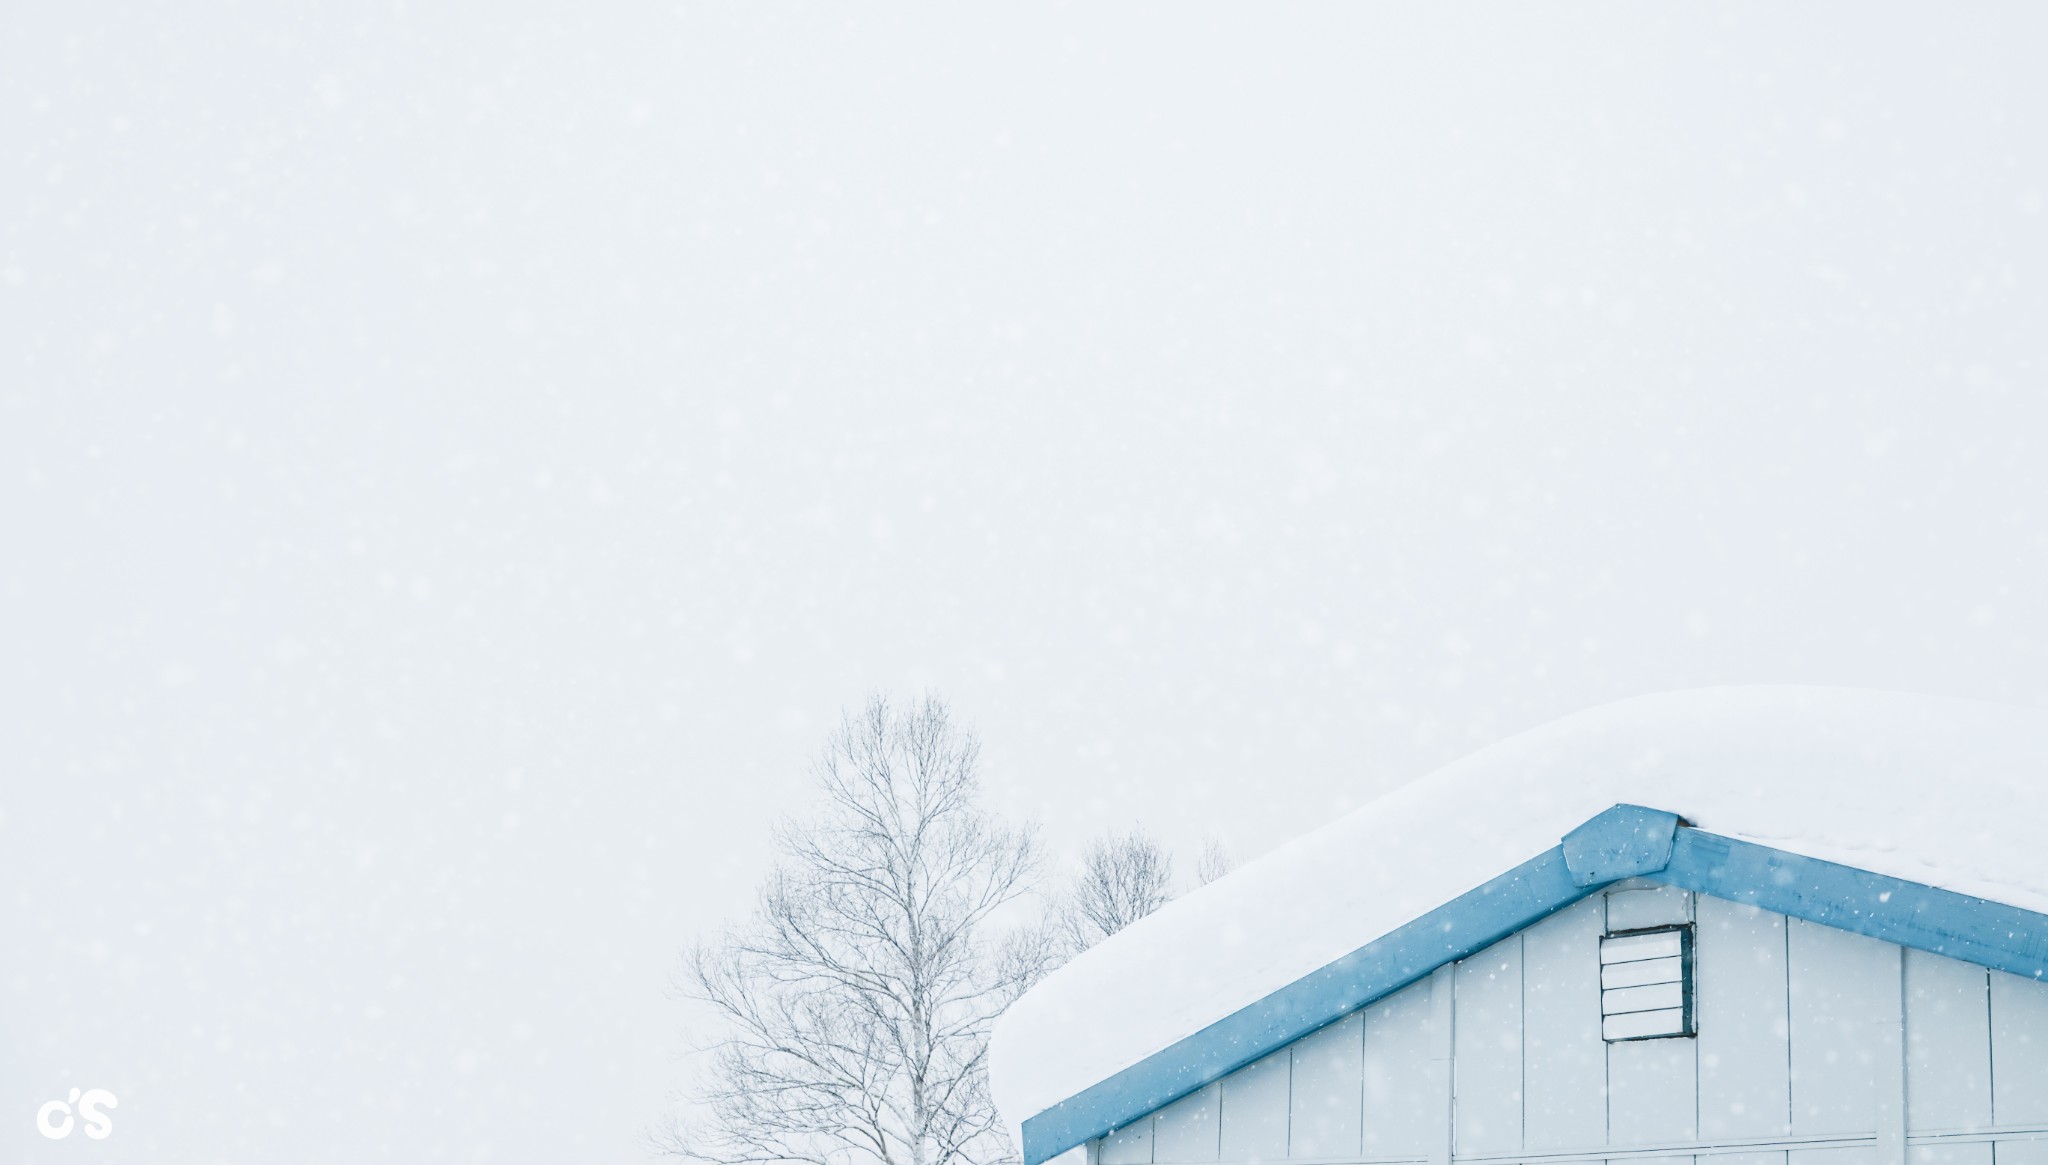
(1989,934)
(1622,842)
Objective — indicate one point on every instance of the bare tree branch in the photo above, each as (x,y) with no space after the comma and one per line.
(1123,878)
(1214,862)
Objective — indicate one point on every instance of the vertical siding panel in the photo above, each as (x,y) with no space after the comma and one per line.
(1564,1059)
(1397,1074)
(1948,1046)
(1328,1091)
(1442,1101)
(1185,1131)
(1889,1070)
(1130,1145)
(1653,1091)
(1744,1022)
(1254,1110)
(1837,980)
(1487,1050)
(2019,1059)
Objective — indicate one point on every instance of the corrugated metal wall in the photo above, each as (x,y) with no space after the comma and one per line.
(1795,1061)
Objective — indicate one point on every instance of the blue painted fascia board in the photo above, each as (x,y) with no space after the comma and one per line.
(1622,842)
(1911,914)
(1464,926)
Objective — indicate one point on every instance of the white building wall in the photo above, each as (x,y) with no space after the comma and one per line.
(1799,1060)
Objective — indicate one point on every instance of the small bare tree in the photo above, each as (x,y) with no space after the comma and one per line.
(856,1003)
(1123,878)
(1214,862)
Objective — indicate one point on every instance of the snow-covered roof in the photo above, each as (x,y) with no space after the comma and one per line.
(1943,792)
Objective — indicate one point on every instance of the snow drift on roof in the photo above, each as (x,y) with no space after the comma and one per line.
(1943,792)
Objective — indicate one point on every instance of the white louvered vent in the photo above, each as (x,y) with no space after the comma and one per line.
(1646,984)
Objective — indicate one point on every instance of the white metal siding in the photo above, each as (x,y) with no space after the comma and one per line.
(1837,982)
(1326,1102)
(1186,1129)
(1398,1043)
(2019,1051)
(1255,1109)
(1486,1051)
(1948,1046)
(1744,1023)
(1563,1056)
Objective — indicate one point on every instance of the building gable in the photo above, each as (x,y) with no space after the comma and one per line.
(1622,843)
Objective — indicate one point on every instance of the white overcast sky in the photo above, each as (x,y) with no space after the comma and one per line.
(457,460)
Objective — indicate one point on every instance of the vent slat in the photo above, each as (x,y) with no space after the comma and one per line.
(1655,997)
(1629,948)
(1642,1025)
(1669,970)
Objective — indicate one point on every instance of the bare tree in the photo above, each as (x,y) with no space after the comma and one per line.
(1214,862)
(1123,878)
(857,1000)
